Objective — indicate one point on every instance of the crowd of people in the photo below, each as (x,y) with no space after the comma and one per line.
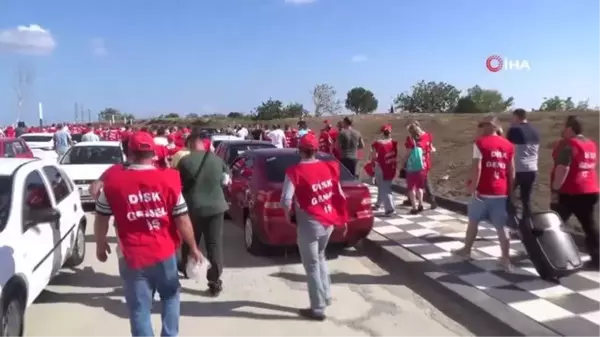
(170,194)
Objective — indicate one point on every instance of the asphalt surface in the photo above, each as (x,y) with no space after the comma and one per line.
(261,297)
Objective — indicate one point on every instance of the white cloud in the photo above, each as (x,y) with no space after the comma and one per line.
(359,58)
(300,2)
(99,47)
(31,39)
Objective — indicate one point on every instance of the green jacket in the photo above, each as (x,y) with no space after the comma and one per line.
(204,195)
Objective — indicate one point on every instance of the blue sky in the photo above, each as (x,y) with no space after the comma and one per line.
(152,56)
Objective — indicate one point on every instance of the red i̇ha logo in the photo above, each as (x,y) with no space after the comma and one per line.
(496,63)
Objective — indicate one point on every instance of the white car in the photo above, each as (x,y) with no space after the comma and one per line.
(86,161)
(217,139)
(42,229)
(41,144)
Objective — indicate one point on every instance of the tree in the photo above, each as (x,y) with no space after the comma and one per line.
(235,115)
(271,109)
(361,101)
(171,115)
(487,100)
(324,100)
(294,110)
(429,97)
(557,104)
(191,115)
(109,114)
(583,105)
(465,105)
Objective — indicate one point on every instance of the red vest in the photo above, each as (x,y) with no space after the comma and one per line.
(160,155)
(207,143)
(317,193)
(496,155)
(582,177)
(293,142)
(325,141)
(142,202)
(387,157)
(426,143)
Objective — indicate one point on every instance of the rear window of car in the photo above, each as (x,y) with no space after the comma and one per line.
(35,138)
(277,165)
(236,150)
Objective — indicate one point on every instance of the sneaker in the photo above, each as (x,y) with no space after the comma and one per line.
(420,208)
(215,289)
(462,253)
(414,211)
(406,203)
(311,315)
(389,213)
(506,265)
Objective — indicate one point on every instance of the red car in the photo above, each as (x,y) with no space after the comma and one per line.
(14,148)
(229,150)
(255,193)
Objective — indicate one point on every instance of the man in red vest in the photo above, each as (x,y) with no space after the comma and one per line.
(325,140)
(312,191)
(493,172)
(575,183)
(150,216)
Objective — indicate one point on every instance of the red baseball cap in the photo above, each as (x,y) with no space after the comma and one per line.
(386,127)
(141,141)
(308,142)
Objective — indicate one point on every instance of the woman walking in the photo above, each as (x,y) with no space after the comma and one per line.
(312,191)
(384,153)
(416,166)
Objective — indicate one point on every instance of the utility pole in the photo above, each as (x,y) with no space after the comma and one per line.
(89,115)
(81,112)
(76,108)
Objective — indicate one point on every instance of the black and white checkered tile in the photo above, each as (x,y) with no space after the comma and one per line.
(571,308)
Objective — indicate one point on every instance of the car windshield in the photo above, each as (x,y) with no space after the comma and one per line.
(6,183)
(81,155)
(36,138)
(235,150)
(276,166)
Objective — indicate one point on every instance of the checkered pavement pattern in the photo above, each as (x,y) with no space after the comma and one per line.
(570,308)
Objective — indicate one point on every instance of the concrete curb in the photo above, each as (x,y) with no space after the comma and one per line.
(496,312)
(461,207)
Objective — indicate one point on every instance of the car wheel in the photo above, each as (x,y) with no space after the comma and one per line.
(253,244)
(78,252)
(12,319)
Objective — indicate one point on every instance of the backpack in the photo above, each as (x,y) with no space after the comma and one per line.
(415,160)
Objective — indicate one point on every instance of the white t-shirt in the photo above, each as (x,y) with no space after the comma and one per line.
(242,133)
(90,137)
(277,137)
(161,141)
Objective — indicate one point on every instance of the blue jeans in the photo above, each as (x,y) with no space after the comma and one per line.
(384,191)
(139,286)
(493,210)
(312,253)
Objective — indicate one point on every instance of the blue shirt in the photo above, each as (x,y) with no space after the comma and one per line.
(61,140)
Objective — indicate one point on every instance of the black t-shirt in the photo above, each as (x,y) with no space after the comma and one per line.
(256,134)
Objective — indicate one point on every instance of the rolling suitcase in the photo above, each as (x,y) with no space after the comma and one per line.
(551,249)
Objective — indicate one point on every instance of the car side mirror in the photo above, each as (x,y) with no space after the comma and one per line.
(39,216)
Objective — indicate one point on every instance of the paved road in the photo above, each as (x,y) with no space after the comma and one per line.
(260,298)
